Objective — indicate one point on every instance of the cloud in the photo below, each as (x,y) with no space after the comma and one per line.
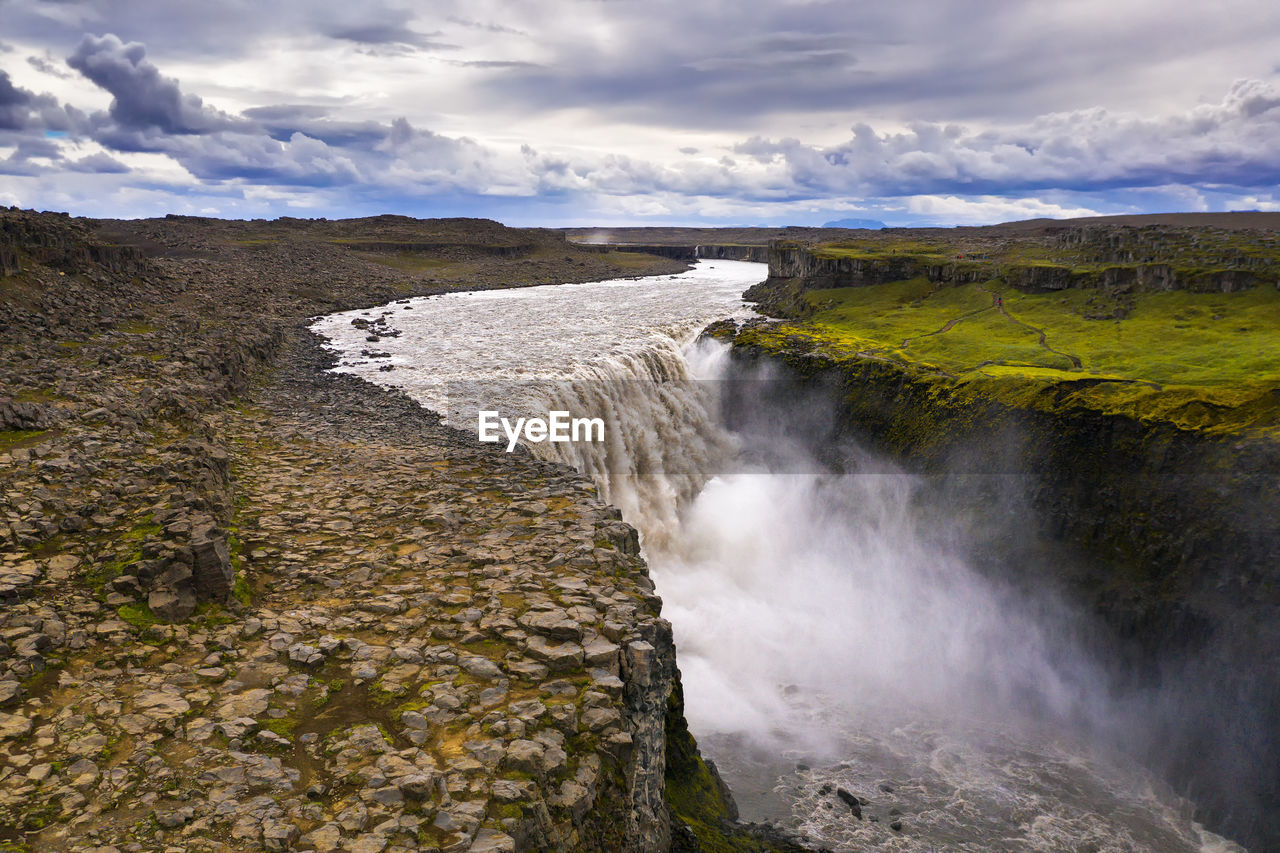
(99,164)
(24,110)
(44,65)
(143,100)
(1231,142)
(389,35)
(283,113)
(14,104)
(962,109)
(485,25)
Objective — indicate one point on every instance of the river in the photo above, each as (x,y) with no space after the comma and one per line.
(834,630)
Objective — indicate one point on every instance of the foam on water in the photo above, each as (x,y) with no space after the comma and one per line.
(831,633)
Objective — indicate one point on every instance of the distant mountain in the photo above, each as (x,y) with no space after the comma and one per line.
(854,223)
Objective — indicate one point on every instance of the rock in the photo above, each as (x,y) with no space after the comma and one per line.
(525,756)
(480,667)
(414,720)
(368,844)
(250,703)
(574,798)
(492,841)
(13,725)
(851,801)
(418,786)
(555,624)
(174,818)
(559,657)
(601,719)
(172,605)
(211,569)
(305,655)
(324,839)
(160,705)
(278,834)
(11,693)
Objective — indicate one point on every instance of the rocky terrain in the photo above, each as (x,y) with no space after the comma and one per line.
(250,605)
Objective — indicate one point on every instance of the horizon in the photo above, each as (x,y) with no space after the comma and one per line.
(769,114)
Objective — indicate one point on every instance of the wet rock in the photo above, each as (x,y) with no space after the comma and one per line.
(855,807)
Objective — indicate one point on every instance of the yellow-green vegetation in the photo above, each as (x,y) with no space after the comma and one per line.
(698,798)
(1208,361)
(11,439)
(138,615)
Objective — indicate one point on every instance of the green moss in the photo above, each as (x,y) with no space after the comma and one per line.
(14,438)
(1201,361)
(141,531)
(138,615)
(698,798)
(282,726)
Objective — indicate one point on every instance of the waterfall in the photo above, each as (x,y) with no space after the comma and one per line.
(833,626)
(661,445)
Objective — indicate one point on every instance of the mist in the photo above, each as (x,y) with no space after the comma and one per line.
(843,623)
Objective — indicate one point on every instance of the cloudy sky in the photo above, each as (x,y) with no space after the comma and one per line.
(585,112)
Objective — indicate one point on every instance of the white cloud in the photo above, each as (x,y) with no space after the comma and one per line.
(985,209)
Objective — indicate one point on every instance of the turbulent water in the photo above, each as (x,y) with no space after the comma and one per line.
(833,633)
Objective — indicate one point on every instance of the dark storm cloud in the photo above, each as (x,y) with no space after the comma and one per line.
(143,100)
(23,110)
(14,104)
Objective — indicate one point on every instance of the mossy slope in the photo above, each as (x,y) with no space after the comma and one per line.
(1200,361)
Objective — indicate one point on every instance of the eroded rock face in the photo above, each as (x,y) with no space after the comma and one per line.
(211,570)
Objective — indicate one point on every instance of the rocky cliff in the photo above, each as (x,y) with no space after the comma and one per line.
(1150,259)
(253,605)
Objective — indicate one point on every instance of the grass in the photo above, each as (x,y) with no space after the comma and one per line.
(11,439)
(1207,361)
(138,615)
(136,327)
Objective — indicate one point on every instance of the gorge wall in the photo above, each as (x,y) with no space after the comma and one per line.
(1173,532)
(795,268)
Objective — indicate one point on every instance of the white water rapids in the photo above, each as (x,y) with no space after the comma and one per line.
(830,630)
